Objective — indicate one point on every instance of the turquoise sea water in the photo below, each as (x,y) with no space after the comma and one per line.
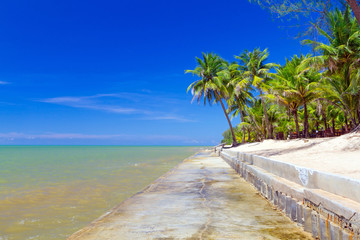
(49,192)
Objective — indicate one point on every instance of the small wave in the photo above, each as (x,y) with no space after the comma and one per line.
(34,237)
(23,221)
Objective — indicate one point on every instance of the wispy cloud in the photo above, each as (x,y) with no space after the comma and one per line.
(89,102)
(114,102)
(62,100)
(4,83)
(170,117)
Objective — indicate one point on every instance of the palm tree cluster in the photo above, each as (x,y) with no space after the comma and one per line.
(308,96)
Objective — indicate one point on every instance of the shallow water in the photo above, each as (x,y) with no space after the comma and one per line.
(49,192)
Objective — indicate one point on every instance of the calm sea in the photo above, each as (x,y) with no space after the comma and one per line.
(49,192)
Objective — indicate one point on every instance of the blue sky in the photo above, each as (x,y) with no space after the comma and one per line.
(112,72)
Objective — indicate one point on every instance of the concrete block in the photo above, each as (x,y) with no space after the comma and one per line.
(282,202)
(244,172)
(290,188)
(324,229)
(264,189)
(307,219)
(288,206)
(315,222)
(334,231)
(293,210)
(334,203)
(276,199)
(300,213)
(269,193)
(249,178)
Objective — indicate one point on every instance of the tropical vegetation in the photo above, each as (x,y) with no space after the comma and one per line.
(308,96)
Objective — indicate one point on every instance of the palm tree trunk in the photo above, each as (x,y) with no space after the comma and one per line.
(249,135)
(243,128)
(268,130)
(333,126)
(289,114)
(350,114)
(346,123)
(344,108)
(235,143)
(296,122)
(324,119)
(306,121)
(355,8)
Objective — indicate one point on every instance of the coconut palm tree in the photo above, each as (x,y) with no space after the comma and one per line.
(298,82)
(315,116)
(274,114)
(282,79)
(239,92)
(340,61)
(256,71)
(333,113)
(255,117)
(209,86)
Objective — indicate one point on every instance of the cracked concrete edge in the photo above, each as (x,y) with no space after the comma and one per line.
(332,216)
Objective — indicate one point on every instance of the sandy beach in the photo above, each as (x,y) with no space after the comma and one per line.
(338,155)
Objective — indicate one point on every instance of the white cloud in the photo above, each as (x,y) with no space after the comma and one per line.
(4,83)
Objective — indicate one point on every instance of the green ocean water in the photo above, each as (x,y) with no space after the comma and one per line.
(49,192)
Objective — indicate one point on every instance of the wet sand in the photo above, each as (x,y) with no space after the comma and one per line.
(202,198)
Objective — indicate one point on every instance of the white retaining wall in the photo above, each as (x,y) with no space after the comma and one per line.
(327,205)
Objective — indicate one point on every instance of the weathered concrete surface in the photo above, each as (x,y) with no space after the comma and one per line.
(202,198)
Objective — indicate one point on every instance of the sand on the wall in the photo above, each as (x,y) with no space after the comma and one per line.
(338,155)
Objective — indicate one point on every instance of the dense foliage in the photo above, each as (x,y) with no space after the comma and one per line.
(307,96)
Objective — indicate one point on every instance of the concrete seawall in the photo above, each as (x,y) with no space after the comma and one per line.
(324,204)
